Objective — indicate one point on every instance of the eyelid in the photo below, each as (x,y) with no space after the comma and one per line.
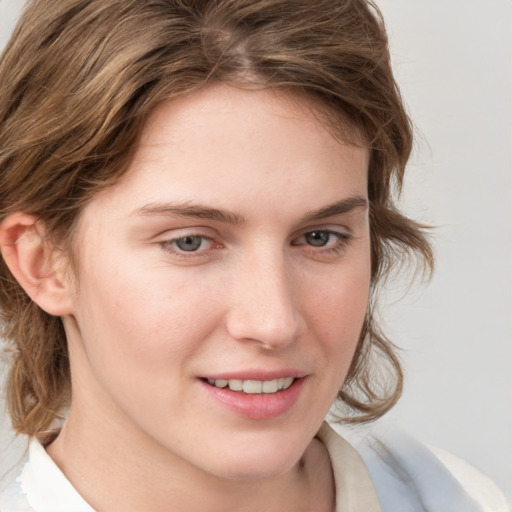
(342,231)
(183,231)
(338,234)
(167,239)
(329,252)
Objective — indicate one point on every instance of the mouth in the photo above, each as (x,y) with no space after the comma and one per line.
(253,387)
(257,399)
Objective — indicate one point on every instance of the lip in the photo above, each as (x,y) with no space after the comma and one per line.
(257,375)
(255,406)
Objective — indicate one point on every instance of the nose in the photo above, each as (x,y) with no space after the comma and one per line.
(263,303)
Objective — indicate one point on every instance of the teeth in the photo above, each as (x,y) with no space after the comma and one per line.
(288,382)
(253,387)
(270,386)
(235,384)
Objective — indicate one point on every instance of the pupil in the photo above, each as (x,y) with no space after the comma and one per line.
(317,238)
(189,243)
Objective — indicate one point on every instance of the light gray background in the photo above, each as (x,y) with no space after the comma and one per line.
(453,60)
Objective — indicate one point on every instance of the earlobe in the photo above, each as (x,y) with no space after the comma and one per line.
(36,265)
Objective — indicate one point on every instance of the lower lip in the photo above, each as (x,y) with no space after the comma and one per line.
(262,406)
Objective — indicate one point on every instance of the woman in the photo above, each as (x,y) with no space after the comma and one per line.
(196,210)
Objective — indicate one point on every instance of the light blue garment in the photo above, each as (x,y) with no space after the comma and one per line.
(408,477)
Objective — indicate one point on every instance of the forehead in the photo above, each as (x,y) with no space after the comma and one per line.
(243,148)
(239,110)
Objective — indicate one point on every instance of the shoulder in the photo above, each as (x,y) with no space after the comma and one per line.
(409,476)
(36,484)
(479,486)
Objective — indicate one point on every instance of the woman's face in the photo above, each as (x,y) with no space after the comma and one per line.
(223,283)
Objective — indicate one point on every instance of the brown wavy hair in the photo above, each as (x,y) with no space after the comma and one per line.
(78,80)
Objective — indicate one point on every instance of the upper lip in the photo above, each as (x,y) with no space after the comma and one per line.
(255,374)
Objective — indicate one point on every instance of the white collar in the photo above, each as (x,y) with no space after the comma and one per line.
(45,486)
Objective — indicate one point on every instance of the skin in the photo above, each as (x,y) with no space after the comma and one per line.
(146,320)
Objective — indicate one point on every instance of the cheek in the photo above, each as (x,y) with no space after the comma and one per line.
(139,335)
(146,319)
(340,304)
(336,313)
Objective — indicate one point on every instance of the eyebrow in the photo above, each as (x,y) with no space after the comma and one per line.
(189,209)
(338,208)
(199,211)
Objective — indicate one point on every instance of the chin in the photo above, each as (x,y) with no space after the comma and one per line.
(258,463)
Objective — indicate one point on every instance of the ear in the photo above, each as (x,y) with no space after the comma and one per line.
(38,267)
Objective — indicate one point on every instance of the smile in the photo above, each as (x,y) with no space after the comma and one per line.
(253,387)
(254,398)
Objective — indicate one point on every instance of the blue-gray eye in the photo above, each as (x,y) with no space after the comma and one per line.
(317,238)
(189,243)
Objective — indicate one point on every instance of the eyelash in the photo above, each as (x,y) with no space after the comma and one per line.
(342,240)
(339,246)
(169,246)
